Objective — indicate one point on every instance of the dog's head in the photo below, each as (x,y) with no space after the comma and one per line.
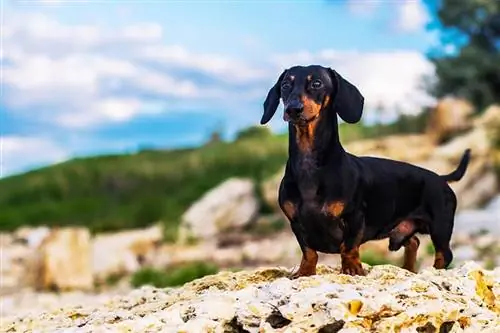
(308,92)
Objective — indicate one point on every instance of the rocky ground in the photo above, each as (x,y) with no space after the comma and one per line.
(231,235)
(388,299)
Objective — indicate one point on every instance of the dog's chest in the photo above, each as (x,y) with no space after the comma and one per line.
(307,177)
(320,230)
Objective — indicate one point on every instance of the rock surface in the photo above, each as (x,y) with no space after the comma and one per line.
(449,116)
(388,299)
(125,251)
(232,204)
(65,260)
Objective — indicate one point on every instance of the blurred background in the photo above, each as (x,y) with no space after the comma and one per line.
(132,154)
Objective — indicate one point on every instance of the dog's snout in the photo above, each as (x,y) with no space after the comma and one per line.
(294,108)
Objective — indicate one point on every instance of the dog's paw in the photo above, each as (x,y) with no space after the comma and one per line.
(352,269)
(301,273)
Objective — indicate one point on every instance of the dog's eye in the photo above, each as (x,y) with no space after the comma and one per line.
(316,84)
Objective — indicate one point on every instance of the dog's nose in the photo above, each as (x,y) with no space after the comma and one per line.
(294,108)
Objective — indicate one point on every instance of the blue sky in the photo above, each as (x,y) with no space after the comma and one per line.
(93,77)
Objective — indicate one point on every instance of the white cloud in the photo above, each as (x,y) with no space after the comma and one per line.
(78,77)
(21,152)
(411,16)
(87,75)
(392,78)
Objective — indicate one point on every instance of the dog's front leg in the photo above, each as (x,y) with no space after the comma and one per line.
(349,249)
(309,256)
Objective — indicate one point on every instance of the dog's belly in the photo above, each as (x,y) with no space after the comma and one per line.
(319,231)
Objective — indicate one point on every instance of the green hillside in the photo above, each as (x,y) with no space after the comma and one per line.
(115,192)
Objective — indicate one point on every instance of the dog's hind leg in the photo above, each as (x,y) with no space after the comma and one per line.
(410,254)
(441,230)
(441,237)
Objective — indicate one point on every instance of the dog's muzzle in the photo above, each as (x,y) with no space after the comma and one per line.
(293,111)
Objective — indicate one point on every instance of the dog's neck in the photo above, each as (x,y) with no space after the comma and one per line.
(316,142)
(313,146)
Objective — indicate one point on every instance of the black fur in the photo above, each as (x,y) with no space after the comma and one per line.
(378,193)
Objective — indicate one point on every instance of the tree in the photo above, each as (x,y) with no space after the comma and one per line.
(467,60)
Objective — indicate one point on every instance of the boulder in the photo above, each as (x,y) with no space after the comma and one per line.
(124,252)
(17,262)
(65,260)
(229,206)
(449,117)
(269,189)
(409,148)
(31,236)
(490,118)
(388,299)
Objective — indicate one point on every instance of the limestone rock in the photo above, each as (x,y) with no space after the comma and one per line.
(388,299)
(65,260)
(125,251)
(450,116)
(231,205)
(17,262)
(31,236)
(490,118)
(270,188)
(409,148)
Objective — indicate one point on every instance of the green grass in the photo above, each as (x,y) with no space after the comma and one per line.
(373,258)
(429,249)
(173,277)
(114,192)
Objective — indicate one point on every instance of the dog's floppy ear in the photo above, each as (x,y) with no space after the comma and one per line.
(272,100)
(348,102)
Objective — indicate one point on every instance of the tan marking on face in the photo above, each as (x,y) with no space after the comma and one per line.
(309,77)
(289,209)
(305,133)
(311,108)
(335,208)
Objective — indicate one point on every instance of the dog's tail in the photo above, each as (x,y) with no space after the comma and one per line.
(460,170)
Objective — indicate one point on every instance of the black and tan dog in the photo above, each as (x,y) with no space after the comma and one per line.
(336,201)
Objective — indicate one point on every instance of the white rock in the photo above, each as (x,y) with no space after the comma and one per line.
(386,298)
(65,260)
(33,236)
(118,253)
(232,204)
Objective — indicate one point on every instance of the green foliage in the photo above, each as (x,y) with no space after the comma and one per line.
(472,27)
(114,192)
(374,258)
(173,277)
(429,249)
(126,191)
(253,132)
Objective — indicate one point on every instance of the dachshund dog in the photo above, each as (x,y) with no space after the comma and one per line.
(336,201)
